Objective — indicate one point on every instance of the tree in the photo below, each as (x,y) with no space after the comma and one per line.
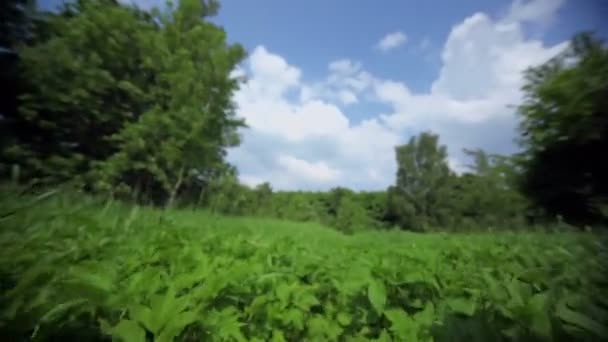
(564,126)
(121,98)
(227,196)
(82,83)
(17,19)
(488,196)
(263,199)
(418,199)
(193,115)
(20,24)
(351,216)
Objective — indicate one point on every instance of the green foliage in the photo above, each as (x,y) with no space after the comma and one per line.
(564,125)
(418,199)
(193,113)
(74,80)
(109,82)
(95,270)
(488,196)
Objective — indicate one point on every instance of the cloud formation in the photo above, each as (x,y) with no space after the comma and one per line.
(308,141)
(391,41)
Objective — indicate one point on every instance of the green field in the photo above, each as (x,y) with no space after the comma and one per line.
(79,269)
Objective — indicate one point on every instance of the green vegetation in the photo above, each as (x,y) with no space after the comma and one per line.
(88,270)
(565,133)
(153,241)
(99,84)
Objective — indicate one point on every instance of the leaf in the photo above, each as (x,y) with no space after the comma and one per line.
(384,336)
(60,309)
(277,336)
(426,316)
(126,330)
(295,317)
(103,279)
(402,324)
(282,292)
(143,315)
(163,308)
(305,301)
(318,326)
(343,318)
(540,322)
(461,305)
(226,324)
(511,332)
(376,293)
(580,320)
(176,325)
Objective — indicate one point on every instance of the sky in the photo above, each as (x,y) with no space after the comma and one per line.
(334,86)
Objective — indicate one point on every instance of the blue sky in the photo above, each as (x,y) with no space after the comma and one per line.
(335,85)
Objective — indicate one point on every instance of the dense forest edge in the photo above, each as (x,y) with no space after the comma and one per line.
(121,219)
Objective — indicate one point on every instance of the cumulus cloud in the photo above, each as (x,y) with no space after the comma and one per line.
(311,143)
(480,78)
(537,11)
(308,143)
(273,76)
(345,82)
(316,171)
(391,41)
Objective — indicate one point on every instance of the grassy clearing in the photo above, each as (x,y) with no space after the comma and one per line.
(73,268)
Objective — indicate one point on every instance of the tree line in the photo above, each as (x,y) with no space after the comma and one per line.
(138,104)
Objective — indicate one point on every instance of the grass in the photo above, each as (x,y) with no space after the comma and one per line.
(75,268)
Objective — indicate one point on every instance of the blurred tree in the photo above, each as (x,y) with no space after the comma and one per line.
(120,98)
(418,200)
(564,126)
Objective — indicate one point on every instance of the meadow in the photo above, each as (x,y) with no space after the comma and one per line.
(83,269)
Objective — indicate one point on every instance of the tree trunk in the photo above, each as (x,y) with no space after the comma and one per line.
(178,183)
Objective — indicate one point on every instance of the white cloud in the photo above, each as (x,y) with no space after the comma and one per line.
(315,171)
(483,59)
(538,11)
(251,181)
(480,77)
(311,143)
(344,67)
(273,76)
(391,41)
(308,143)
(347,97)
(346,80)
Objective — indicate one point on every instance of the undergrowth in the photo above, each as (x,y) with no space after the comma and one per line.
(75,268)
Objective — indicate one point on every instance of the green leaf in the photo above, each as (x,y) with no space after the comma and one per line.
(402,324)
(426,316)
(318,326)
(226,324)
(384,336)
(278,336)
(343,318)
(376,293)
(176,325)
(461,305)
(540,322)
(282,292)
(60,309)
(143,315)
(294,317)
(580,320)
(305,300)
(511,332)
(126,330)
